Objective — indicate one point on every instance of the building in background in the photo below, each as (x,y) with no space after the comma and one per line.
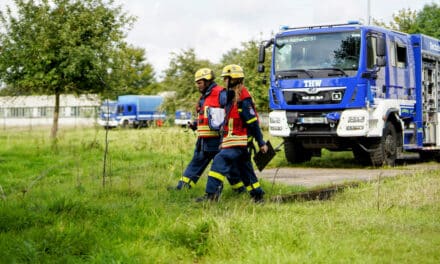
(38,110)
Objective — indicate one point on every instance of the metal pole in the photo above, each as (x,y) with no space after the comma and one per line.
(368,12)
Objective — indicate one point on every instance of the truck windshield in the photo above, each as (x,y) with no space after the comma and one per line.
(108,109)
(317,55)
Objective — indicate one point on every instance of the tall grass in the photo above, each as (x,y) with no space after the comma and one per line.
(55,209)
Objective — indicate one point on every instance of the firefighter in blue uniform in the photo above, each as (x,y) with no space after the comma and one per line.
(208,139)
(241,127)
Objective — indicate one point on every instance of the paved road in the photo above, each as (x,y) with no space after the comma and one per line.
(310,177)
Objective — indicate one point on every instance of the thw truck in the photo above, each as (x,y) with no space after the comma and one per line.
(182,118)
(131,111)
(354,87)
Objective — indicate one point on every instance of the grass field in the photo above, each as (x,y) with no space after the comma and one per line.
(56,207)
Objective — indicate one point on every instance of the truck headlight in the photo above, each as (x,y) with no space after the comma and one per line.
(275,120)
(356,119)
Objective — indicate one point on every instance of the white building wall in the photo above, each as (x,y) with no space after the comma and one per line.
(38,110)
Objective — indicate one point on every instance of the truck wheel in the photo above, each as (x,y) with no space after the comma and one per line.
(361,155)
(384,152)
(295,152)
(125,124)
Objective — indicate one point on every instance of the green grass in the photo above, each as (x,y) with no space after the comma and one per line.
(55,208)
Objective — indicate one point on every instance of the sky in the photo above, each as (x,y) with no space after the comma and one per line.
(214,27)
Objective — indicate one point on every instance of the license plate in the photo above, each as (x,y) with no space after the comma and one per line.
(313,120)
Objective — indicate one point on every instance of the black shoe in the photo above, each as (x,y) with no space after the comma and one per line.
(258,198)
(211,197)
(180,185)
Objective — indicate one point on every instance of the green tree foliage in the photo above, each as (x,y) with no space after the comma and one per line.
(403,21)
(179,78)
(247,58)
(60,46)
(426,21)
(131,73)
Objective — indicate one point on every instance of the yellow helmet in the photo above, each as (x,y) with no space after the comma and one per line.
(233,70)
(204,73)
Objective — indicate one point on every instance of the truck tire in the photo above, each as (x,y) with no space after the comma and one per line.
(125,124)
(384,150)
(361,156)
(295,152)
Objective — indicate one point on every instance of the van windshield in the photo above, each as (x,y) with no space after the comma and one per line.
(319,55)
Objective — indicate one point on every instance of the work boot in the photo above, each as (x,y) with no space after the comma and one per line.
(258,198)
(180,185)
(257,195)
(212,197)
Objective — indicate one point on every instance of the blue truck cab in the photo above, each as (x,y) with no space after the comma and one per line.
(182,118)
(354,87)
(133,111)
(107,114)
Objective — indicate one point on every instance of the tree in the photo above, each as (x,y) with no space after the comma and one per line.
(60,46)
(428,21)
(179,78)
(131,73)
(403,21)
(247,58)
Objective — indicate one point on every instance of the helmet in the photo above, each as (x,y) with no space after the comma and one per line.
(204,73)
(233,70)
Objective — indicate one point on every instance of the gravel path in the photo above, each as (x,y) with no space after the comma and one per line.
(310,177)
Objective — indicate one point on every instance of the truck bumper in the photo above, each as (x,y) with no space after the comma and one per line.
(347,123)
(108,123)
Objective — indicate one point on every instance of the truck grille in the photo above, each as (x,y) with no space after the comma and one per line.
(310,96)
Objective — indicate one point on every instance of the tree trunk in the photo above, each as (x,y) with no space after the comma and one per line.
(56,114)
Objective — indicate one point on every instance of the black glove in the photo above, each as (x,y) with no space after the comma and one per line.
(193,126)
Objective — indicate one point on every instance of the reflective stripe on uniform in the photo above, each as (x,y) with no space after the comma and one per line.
(187,180)
(205,131)
(253,186)
(217,176)
(234,141)
(251,120)
(238,185)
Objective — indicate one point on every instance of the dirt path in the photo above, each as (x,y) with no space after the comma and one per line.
(310,177)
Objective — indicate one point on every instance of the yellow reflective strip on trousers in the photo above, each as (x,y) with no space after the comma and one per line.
(253,186)
(237,185)
(217,175)
(187,180)
(251,120)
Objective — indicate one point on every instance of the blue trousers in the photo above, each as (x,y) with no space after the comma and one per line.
(224,162)
(202,156)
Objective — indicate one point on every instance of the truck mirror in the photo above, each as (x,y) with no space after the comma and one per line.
(262,53)
(260,67)
(380,61)
(380,47)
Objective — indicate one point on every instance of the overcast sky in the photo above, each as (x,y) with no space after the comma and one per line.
(213,27)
